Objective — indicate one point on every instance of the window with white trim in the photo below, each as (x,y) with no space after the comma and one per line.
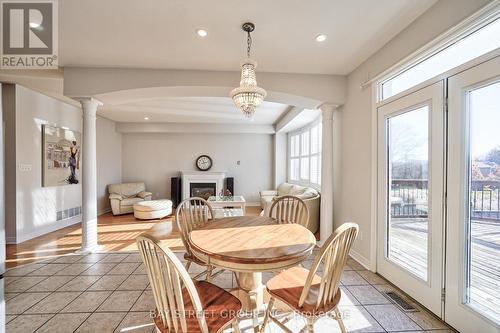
(304,155)
(463,48)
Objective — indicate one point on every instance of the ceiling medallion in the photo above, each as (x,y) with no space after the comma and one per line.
(248,96)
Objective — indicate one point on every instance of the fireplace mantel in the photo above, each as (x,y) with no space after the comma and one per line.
(189,177)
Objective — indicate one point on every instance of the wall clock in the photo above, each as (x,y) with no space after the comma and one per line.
(204,163)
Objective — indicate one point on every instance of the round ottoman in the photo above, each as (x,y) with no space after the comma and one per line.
(152,209)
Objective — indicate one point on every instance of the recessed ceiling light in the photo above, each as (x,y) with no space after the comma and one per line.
(202,32)
(34,24)
(146,118)
(320,38)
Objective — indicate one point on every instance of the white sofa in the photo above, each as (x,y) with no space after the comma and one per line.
(310,196)
(124,196)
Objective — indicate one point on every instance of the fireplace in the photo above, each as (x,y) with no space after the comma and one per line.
(201,183)
(202,190)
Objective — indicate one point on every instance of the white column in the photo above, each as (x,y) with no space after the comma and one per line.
(89,176)
(326,211)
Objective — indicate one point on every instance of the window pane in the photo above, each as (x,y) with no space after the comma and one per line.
(305,156)
(305,144)
(476,44)
(294,146)
(314,140)
(304,168)
(483,221)
(294,169)
(314,169)
(408,163)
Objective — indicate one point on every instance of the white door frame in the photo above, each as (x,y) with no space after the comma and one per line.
(458,314)
(428,293)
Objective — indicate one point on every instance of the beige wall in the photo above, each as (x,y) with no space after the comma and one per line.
(2,194)
(280,144)
(109,161)
(357,133)
(154,158)
(31,210)
(118,84)
(9,121)
(36,207)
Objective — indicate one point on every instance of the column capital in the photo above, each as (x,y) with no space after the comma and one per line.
(88,102)
(327,110)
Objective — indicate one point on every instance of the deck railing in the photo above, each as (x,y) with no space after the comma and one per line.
(409,198)
(485,200)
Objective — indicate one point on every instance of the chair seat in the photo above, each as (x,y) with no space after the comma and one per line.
(220,307)
(287,286)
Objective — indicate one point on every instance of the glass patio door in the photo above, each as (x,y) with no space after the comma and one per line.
(473,231)
(410,194)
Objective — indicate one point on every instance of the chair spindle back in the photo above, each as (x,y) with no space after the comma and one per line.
(168,277)
(191,214)
(290,209)
(333,255)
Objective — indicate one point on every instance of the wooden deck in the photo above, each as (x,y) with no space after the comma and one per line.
(409,249)
(409,245)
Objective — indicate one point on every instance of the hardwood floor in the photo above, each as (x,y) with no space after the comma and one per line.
(115,233)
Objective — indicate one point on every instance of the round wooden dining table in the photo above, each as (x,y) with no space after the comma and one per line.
(250,245)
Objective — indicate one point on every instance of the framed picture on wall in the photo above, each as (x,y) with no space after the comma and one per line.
(60,156)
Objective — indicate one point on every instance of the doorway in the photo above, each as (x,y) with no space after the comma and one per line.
(410,221)
(439,196)
(473,223)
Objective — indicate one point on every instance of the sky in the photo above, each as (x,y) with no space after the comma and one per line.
(409,135)
(409,131)
(484,111)
(484,104)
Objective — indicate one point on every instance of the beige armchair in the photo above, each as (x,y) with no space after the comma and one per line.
(310,196)
(124,196)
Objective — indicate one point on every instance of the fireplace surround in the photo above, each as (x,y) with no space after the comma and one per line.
(203,181)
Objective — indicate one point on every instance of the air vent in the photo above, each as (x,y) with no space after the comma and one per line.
(68,213)
(399,301)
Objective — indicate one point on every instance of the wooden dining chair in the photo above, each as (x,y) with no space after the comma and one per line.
(184,305)
(310,294)
(191,214)
(290,209)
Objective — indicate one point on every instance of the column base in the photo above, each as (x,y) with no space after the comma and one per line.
(90,249)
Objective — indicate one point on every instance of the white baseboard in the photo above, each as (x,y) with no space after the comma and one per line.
(39,231)
(361,259)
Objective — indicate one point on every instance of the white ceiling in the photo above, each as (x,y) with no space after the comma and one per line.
(161,33)
(191,110)
(302,119)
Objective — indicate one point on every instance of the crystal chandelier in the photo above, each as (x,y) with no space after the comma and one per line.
(248,96)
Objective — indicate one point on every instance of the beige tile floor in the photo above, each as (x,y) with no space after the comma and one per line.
(108,292)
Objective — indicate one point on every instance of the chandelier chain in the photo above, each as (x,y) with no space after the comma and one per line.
(249,43)
(248,96)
